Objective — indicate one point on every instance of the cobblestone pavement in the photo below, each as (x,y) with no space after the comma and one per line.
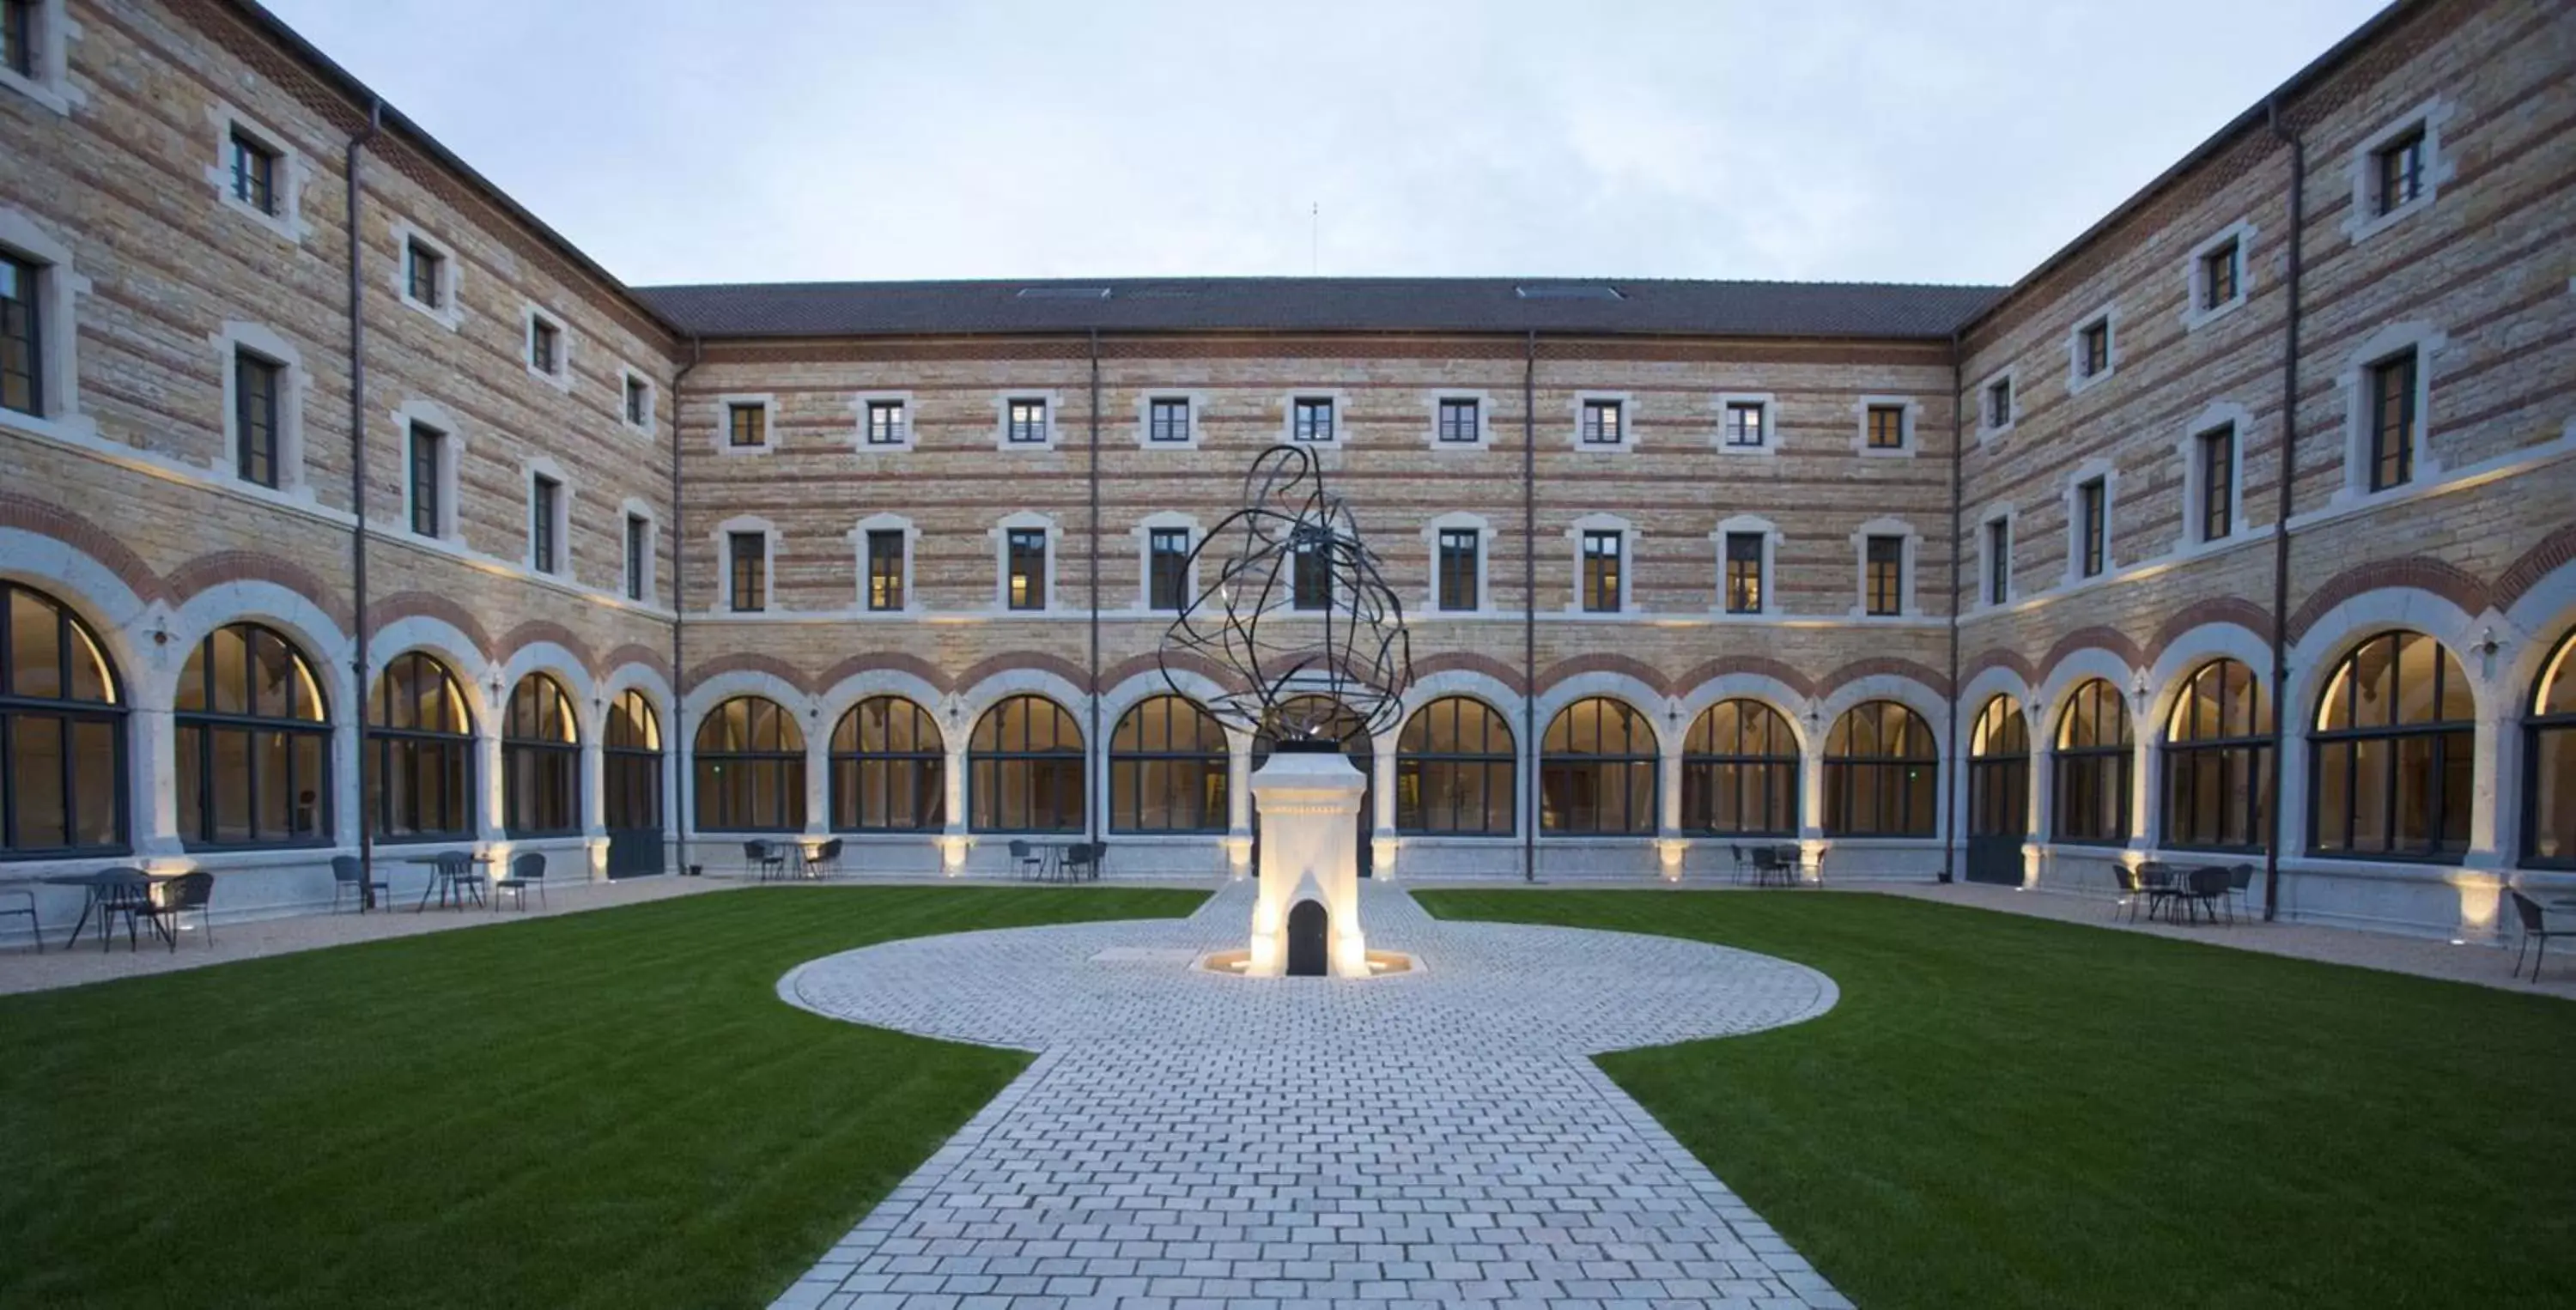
(1191,1140)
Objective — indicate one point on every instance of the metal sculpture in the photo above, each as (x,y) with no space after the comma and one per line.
(1296,609)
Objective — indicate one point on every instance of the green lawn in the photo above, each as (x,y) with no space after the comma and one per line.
(602,1109)
(2004,1111)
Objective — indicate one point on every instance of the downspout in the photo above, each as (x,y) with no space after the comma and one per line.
(1091,787)
(679,817)
(358,494)
(2286,478)
(1529,601)
(1958,463)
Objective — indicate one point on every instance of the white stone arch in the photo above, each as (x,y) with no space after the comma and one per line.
(438,637)
(2341,629)
(841,697)
(553,660)
(2048,710)
(704,697)
(120,617)
(1646,700)
(1198,689)
(1477,686)
(636,675)
(1934,707)
(313,631)
(2532,630)
(2185,656)
(1762,687)
(1001,685)
(1992,681)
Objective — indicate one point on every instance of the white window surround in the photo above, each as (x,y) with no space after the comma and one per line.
(52,84)
(2359,222)
(1987,428)
(903,431)
(1770,422)
(637,509)
(1771,539)
(1000,535)
(1165,520)
(287,178)
(627,377)
(238,338)
(2108,316)
(2396,339)
(911,548)
(1906,608)
(2011,519)
(1627,560)
(560,379)
(2195,275)
(1484,421)
(1627,425)
(1341,403)
(2109,474)
(1460,521)
(723,540)
(768,422)
(1002,435)
(537,467)
(57,285)
(2195,488)
(1196,401)
(449,312)
(1911,409)
(451,455)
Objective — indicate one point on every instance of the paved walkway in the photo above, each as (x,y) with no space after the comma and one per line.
(1192,1140)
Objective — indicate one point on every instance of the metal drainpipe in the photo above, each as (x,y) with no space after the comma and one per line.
(1529,600)
(1093,786)
(2281,513)
(679,740)
(1958,461)
(358,493)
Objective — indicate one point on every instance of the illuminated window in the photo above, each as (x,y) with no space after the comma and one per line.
(749,759)
(889,769)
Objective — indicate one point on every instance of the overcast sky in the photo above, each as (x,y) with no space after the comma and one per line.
(773,140)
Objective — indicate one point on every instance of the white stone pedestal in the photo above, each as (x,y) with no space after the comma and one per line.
(1310,813)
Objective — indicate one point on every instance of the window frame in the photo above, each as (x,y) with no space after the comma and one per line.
(539,761)
(111,716)
(1706,772)
(1305,408)
(886,579)
(2241,759)
(1554,763)
(1765,409)
(1414,762)
(630,384)
(922,769)
(630,772)
(1169,421)
(445,275)
(636,583)
(1842,778)
(549,517)
(457,754)
(2215,508)
(2539,729)
(26,275)
(733,535)
(2401,451)
(545,347)
(1477,414)
(900,436)
(1601,423)
(1889,601)
(43,74)
(1591,573)
(783,766)
(2109,769)
(1767,542)
(2368,215)
(1999,770)
(2085,367)
(1167,566)
(2005,382)
(1025,412)
(1871,409)
(2443,734)
(2093,526)
(982,781)
(1135,763)
(732,410)
(258,438)
(1029,592)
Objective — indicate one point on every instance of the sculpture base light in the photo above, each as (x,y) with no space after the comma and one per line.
(1310,811)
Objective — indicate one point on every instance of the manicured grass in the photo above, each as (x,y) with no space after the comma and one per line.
(603,1109)
(2003,1111)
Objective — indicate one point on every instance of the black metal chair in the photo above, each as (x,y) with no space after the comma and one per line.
(348,876)
(456,869)
(2240,890)
(2535,928)
(1077,866)
(1025,860)
(2204,888)
(35,930)
(769,858)
(2133,889)
(2163,890)
(527,869)
(164,904)
(1099,859)
(827,859)
(1736,851)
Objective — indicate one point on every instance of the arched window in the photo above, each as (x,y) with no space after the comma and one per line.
(1881,769)
(2549,815)
(889,769)
(62,720)
(1999,771)
(540,761)
(1597,767)
(1024,768)
(2093,763)
(421,731)
(1740,772)
(630,765)
(1454,770)
(2218,754)
(749,759)
(1167,768)
(2390,760)
(254,743)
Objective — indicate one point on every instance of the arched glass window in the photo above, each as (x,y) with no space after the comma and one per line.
(2093,763)
(1597,767)
(62,733)
(1881,771)
(2391,758)
(1999,771)
(1024,768)
(1454,770)
(2549,813)
(254,743)
(1740,772)
(630,765)
(889,769)
(540,760)
(749,761)
(421,731)
(2218,754)
(1167,768)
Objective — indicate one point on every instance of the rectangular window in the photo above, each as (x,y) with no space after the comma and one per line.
(1887,427)
(1458,422)
(428,452)
(1744,573)
(544,495)
(2218,276)
(1167,419)
(1998,561)
(1604,422)
(639,402)
(748,424)
(1458,550)
(1744,423)
(885,569)
(255,383)
(18,36)
(1167,552)
(750,565)
(2392,422)
(22,343)
(254,173)
(2090,525)
(1313,419)
(1027,548)
(1310,575)
(1028,422)
(885,422)
(2094,355)
(639,554)
(1885,557)
(2217,483)
(1999,402)
(421,273)
(1601,580)
(2398,170)
(545,346)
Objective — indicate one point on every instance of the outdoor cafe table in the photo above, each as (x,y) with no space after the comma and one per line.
(443,883)
(110,890)
(1779,861)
